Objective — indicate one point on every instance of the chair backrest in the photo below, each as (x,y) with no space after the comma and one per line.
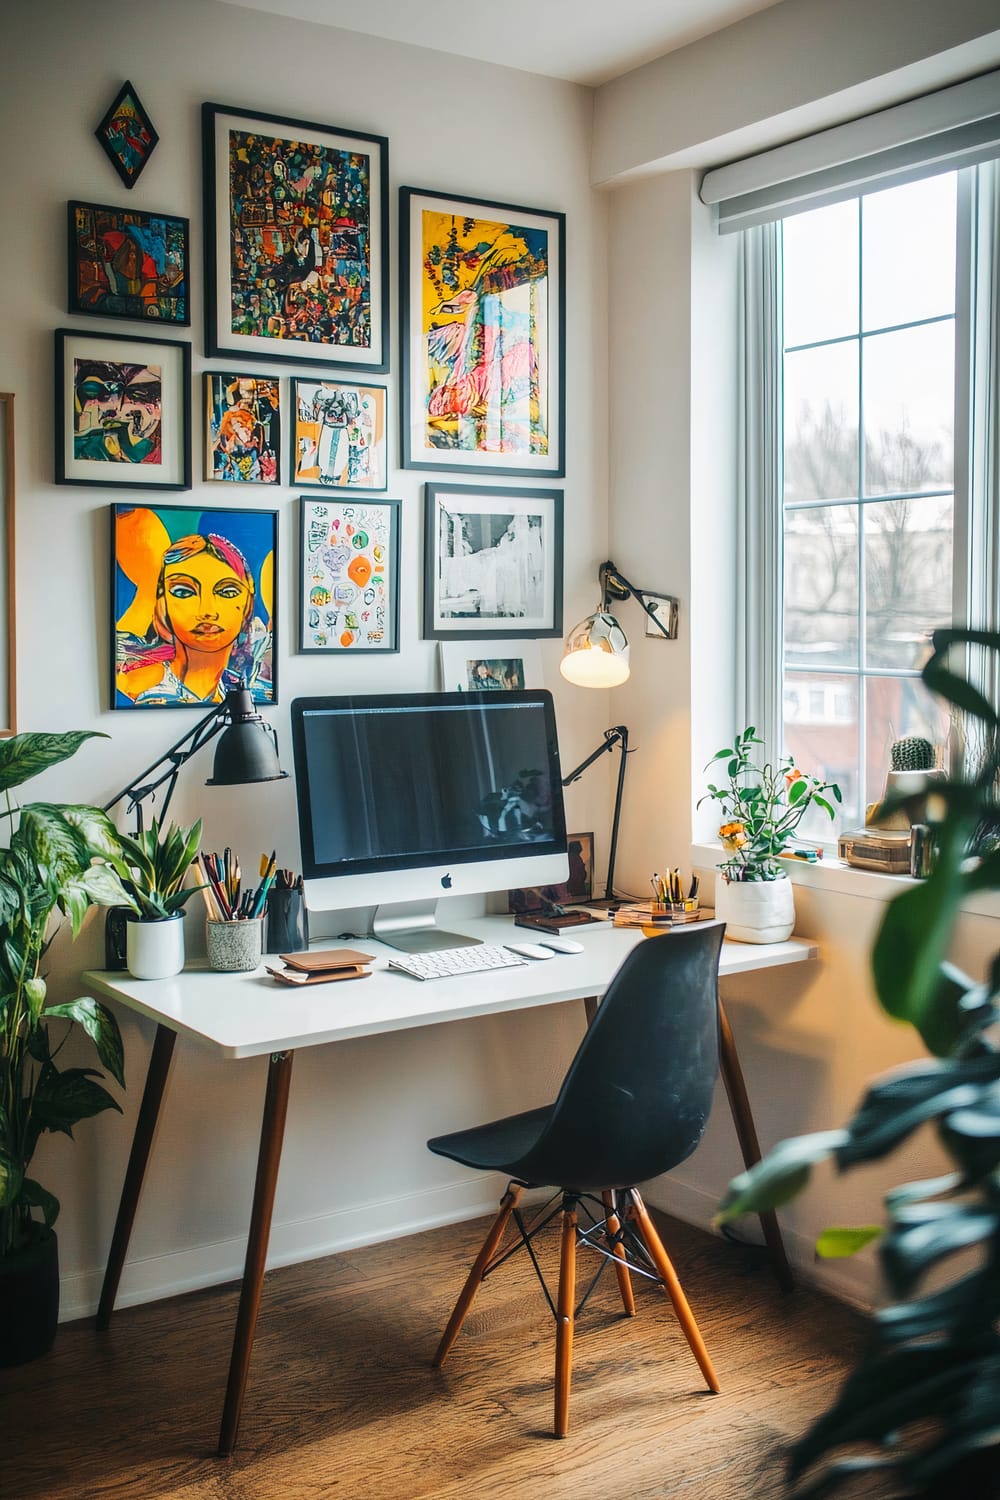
(637,1096)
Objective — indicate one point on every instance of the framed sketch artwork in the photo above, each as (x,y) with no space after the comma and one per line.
(121,411)
(339,438)
(296,240)
(349,585)
(483,315)
(492,562)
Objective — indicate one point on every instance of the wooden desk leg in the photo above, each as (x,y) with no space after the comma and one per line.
(272,1132)
(746,1131)
(590,1005)
(142,1141)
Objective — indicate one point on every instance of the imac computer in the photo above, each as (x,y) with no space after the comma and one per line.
(403,798)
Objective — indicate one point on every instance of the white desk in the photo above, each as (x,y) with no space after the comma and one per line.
(251,1015)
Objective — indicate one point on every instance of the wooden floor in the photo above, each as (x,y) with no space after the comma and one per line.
(343,1403)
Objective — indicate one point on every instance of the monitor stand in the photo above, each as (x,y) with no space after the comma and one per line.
(411,926)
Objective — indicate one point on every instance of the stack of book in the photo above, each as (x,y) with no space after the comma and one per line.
(322,966)
(658,913)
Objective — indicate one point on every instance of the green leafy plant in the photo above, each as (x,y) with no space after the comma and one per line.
(924,1399)
(57,859)
(761,807)
(154,865)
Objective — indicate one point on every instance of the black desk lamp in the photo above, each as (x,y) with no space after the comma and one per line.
(596,655)
(247,752)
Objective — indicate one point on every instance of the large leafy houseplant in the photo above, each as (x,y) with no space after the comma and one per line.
(56,859)
(924,1399)
(762,806)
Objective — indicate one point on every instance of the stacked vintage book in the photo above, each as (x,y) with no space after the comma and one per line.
(658,913)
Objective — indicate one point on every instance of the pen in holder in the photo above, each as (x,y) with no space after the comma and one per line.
(287,921)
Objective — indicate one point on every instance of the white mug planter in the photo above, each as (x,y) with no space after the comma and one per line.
(756,911)
(154,949)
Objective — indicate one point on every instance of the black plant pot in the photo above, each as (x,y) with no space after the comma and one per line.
(29,1300)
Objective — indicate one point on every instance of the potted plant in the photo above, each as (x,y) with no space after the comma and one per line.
(925,1395)
(154,865)
(762,806)
(55,859)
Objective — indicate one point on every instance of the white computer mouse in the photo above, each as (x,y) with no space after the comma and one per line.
(530,950)
(561,944)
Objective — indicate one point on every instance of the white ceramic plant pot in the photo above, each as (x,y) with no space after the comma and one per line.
(756,911)
(154,949)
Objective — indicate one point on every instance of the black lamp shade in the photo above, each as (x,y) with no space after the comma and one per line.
(248,749)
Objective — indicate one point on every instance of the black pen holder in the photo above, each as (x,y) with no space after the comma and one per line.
(287,922)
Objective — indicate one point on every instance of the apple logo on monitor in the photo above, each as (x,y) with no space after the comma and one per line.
(446,882)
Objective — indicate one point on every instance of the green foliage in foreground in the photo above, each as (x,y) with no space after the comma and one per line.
(924,1399)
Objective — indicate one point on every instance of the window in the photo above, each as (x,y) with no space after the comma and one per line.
(868,555)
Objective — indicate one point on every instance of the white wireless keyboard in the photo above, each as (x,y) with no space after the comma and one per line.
(448,961)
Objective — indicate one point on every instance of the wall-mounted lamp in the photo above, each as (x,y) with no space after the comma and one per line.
(596,651)
(247,752)
(596,655)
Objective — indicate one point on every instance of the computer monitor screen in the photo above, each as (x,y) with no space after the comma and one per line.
(404,798)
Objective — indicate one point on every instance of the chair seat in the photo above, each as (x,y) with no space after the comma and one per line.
(499,1146)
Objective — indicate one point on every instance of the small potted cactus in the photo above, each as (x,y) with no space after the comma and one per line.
(912,764)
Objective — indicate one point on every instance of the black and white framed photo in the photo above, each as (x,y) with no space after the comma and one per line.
(482,335)
(480,665)
(296,240)
(121,411)
(493,562)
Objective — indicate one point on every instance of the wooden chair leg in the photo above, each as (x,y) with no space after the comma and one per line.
(473,1281)
(621,1265)
(665,1270)
(565,1306)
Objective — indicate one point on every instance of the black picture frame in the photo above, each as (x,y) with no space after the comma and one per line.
(127,153)
(140,531)
(270,202)
(164,295)
(105,466)
(348,404)
(534,370)
(368,611)
(504,593)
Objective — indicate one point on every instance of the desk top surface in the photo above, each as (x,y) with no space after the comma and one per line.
(250,1015)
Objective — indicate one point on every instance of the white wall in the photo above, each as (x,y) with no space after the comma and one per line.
(355,1165)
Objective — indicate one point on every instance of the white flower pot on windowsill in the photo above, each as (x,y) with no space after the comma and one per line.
(756,911)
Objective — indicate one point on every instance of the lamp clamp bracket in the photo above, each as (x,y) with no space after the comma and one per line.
(661,610)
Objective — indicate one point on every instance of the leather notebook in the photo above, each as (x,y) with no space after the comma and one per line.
(321,976)
(322,960)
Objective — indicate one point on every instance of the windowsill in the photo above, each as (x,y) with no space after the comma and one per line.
(841,879)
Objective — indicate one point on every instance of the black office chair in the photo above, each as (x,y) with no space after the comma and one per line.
(634,1103)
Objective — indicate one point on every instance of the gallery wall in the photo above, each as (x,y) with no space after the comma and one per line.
(354,1166)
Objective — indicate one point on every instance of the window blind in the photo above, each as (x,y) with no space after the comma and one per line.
(951,128)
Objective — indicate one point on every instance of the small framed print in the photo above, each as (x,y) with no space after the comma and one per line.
(493,562)
(127,135)
(296,240)
(242,428)
(124,263)
(474,666)
(349,583)
(193,605)
(483,334)
(339,436)
(577,889)
(121,411)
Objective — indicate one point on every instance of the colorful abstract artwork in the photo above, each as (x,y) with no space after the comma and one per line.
(242,428)
(193,605)
(122,411)
(493,562)
(340,436)
(349,596)
(296,240)
(124,263)
(127,135)
(483,309)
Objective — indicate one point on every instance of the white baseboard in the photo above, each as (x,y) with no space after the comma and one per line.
(154,1277)
(854,1279)
(158,1276)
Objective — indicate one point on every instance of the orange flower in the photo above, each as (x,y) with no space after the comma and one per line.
(733,835)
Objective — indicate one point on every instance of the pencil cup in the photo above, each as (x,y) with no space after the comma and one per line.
(287,922)
(234,946)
